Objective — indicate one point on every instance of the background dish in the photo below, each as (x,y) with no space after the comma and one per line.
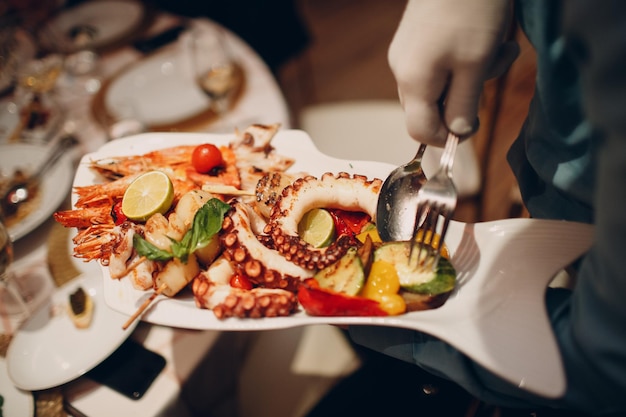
(24,51)
(17,403)
(111,20)
(49,351)
(158,90)
(162,109)
(55,186)
(496,316)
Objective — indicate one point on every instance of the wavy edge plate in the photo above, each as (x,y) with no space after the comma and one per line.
(172,72)
(104,103)
(56,183)
(496,316)
(48,350)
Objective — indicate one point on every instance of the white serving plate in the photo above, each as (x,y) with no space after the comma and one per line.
(48,350)
(55,186)
(496,316)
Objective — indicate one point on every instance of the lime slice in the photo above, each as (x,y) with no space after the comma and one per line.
(317,228)
(148,194)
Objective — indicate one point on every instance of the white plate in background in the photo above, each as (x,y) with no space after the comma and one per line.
(158,90)
(48,350)
(54,188)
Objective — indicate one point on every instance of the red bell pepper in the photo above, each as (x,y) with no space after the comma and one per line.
(320,302)
(349,222)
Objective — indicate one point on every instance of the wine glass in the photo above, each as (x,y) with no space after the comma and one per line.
(214,69)
(13,305)
(81,74)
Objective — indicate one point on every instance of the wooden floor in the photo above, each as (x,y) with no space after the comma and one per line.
(347,60)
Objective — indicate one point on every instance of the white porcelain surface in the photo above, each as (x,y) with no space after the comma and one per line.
(48,350)
(17,402)
(496,315)
(55,186)
(160,89)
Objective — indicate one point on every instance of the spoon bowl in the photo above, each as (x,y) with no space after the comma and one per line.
(21,191)
(397,201)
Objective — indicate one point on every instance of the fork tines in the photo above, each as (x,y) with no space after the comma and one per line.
(436,199)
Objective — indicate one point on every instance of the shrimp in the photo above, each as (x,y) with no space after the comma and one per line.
(105,193)
(175,161)
(97,242)
(122,166)
(86,217)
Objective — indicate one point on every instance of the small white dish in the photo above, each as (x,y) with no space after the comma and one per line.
(158,90)
(17,402)
(496,315)
(55,186)
(48,350)
(111,20)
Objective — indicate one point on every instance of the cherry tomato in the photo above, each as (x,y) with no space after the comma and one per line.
(206,158)
(240,281)
(116,212)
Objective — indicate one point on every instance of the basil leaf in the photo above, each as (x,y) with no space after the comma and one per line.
(147,249)
(206,223)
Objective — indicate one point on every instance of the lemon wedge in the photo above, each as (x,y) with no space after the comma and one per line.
(317,228)
(148,194)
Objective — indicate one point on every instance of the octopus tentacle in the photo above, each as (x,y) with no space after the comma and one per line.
(344,191)
(262,265)
(212,291)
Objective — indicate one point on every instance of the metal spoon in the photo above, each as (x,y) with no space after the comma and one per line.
(397,200)
(22,191)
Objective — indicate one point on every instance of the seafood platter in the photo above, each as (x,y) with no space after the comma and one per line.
(268,233)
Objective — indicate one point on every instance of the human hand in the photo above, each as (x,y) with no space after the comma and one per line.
(441,54)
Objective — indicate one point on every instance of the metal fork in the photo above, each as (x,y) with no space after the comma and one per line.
(437,198)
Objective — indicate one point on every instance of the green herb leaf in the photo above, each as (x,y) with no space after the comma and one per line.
(206,223)
(147,249)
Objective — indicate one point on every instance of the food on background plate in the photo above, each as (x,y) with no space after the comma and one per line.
(25,209)
(248,238)
(80,308)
